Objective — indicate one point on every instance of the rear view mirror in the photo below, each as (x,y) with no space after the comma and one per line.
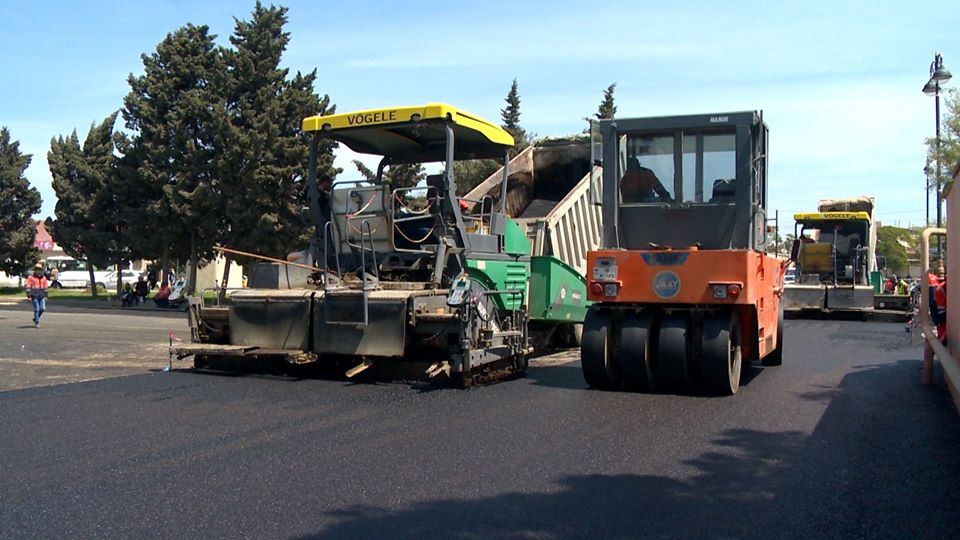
(795,250)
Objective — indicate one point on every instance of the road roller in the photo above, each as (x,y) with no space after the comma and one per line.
(685,295)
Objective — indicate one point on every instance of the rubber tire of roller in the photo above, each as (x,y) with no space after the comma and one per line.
(775,358)
(637,349)
(671,365)
(596,355)
(721,357)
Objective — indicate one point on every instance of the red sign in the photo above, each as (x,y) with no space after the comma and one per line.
(43,245)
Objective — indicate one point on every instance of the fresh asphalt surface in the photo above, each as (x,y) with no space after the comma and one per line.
(841,441)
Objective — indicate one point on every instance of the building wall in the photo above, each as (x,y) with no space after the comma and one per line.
(210,275)
(953,265)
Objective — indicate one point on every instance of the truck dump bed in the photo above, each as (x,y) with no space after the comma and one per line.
(548,193)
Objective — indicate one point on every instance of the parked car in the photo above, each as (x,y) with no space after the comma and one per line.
(109,281)
(72,273)
(790,276)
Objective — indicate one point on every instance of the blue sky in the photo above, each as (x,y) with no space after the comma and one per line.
(839,82)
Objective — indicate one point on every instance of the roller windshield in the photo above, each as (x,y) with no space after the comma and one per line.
(678,167)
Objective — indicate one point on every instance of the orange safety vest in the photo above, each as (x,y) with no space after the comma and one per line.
(36,286)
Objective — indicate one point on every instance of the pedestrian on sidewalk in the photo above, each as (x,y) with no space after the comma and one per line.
(37,293)
(162,298)
(141,289)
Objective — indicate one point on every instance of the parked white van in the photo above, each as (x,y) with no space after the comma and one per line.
(73,274)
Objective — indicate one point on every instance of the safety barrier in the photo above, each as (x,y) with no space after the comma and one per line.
(932,345)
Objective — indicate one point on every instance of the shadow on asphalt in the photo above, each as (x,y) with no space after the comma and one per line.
(881,462)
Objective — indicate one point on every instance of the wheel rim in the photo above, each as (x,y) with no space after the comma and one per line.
(721,353)
(735,363)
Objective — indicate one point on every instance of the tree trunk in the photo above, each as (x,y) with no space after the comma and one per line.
(93,280)
(164,261)
(228,261)
(119,279)
(192,286)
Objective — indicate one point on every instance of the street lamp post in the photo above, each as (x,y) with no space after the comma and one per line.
(927,173)
(938,75)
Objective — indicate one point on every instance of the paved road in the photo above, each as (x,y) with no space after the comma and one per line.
(81,344)
(839,442)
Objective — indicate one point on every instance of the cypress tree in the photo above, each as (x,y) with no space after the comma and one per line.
(607,109)
(80,177)
(176,112)
(265,152)
(510,115)
(18,202)
(470,173)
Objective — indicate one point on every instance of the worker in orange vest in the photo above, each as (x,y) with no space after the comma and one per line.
(640,184)
(37,293)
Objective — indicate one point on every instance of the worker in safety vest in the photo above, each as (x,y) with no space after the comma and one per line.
(640,184)
(37,293)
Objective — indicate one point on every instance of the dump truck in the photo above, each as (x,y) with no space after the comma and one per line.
(684,291)
(400,276)
(836,258)
(548,186)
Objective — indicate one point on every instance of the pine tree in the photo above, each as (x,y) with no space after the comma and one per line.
(176,113)
(607,109)
(18,202)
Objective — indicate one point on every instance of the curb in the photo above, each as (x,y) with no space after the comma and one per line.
(92,305)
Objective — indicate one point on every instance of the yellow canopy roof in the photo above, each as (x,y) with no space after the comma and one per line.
(832,216)
(413,133)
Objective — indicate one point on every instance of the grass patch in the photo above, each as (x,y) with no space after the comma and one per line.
(15,293)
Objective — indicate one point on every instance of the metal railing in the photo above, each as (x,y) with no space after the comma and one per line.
(218,303)
(370,280)
(330,233)
(481,217)
(415,215)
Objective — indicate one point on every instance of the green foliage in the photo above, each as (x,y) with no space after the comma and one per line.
(949,151)
(264,152)
(18,202)
(81,176)
(216,154)
(607,109)
(177,114)
(469,173)
(890,246)
(398,176)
